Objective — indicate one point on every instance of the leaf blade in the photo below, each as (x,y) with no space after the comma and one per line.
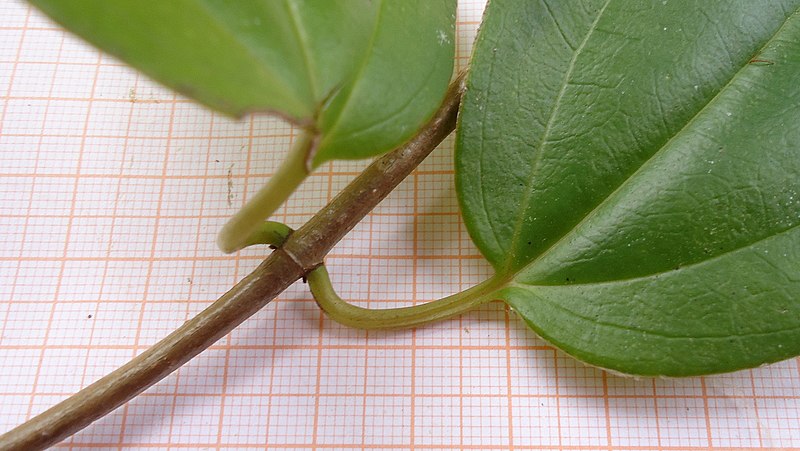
(290,57)
(374,111)
(683,327)
(571,128)
(614,196)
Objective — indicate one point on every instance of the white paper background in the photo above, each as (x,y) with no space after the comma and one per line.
(111,193)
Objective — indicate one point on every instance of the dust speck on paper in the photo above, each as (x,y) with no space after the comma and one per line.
(230,185)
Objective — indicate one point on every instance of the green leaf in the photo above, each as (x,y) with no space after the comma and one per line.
(359,76)
(364,74)
(630,169)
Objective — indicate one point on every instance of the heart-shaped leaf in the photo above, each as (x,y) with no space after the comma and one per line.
(630,169)
(364,74)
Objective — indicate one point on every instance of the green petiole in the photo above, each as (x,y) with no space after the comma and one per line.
(341,311)
(247,222)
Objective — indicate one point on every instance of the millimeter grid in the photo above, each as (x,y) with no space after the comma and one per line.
(113,190)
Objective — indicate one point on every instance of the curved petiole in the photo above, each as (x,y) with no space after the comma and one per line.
(341,311)
(247,221)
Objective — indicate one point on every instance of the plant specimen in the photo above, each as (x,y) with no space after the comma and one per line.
(629,169)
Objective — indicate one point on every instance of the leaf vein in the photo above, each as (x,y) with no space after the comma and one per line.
(485,112)
(512,252)
(261,68)
(302,37)
(661,334)
(357,74)
(660,150)
(682,268)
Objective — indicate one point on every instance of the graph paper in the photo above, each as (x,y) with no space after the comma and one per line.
(112,190)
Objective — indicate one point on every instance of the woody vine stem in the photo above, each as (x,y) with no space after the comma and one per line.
(302,252)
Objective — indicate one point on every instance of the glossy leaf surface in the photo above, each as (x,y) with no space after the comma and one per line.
(630,169)
(365,74)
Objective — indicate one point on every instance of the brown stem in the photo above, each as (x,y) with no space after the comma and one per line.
(303,251)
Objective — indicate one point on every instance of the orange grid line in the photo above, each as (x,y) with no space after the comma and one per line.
(151,264)
(65,250)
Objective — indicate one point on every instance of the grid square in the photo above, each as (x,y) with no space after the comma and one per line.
(58,154)
(342,371)
(387,421)
(39,45)
(245,419)
(340,418)
(33,80)
(395,235)
(734,422)
(436,190)
(438,421)
(532,372)
(73,283)
(388,372)
(536,421)
(73,80)
(682,422)
(485,421)
(292,419)
(391,283)
(72,323)
(66,117)
(61,371)
(484,372)
(117,323)
(436,372)
(295,371)
(249,371)
(633,422)
(196,418)
(18,369)
(583,421)
(439,234)
(436,278)
(778,421)
(37,281)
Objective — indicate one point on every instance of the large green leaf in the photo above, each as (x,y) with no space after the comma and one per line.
(631,170)
(365,74)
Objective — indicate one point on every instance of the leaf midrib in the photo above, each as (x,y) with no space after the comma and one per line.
(660,334)
(302,38)
(649,161)
(370,48)
(262,68)
(310,78)
(412,98)
(630,280)
(515,238)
